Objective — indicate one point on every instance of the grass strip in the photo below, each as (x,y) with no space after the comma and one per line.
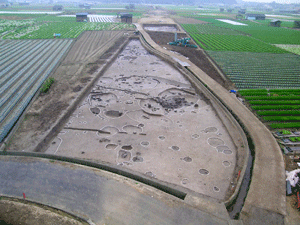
(279,113)
(282,118)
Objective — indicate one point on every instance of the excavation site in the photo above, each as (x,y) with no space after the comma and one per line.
(143,114)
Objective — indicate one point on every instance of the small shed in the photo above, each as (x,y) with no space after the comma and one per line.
(58,8)
(250,16)
(242,11)
(297,24)
(81,17)
(275,23)
(126,18)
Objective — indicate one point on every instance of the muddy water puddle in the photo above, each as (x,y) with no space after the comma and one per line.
(144,114)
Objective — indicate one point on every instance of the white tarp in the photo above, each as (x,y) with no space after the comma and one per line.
(293,177)
(232,22)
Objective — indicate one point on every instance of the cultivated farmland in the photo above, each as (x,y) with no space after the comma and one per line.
(24,66)
(259,70)
(99,19)
(279,108)
(44,26)
(272,35)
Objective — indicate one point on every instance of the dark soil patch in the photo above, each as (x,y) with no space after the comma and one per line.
(196,56)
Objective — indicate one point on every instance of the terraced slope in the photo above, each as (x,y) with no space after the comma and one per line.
(24,65)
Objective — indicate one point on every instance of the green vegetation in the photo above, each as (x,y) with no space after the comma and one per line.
(280,108)
(275,107)
(214,38)
(285,132)
(291,48)
(44,26)
(281,118)
(279,113)
(71,30)
(249,70)
(279,102)
(47,84)
(294,139)
(289,97)
(208,29)
(272,35)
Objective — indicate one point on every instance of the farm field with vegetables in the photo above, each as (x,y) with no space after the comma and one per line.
(44,26)
(291,48)
(262,32)
(249,70)
(217,41)
(278,108)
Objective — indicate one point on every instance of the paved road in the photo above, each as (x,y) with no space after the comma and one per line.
(93,194)
(267,190)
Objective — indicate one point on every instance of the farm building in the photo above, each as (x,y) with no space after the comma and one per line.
(275,23)
(85,6)
(126,18)
(297,23)
(250,16)
(81,17)
(242,11)
(58,8)
(239,17)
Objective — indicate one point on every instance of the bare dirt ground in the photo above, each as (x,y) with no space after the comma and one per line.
(196,56)
(144,115)
(90,52)
(14,211)
(154,19)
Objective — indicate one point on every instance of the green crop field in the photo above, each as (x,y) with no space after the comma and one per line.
(275,107)
(238,43)
(259,70)
(272,35)
(44,26)
(291,48)
(208,29)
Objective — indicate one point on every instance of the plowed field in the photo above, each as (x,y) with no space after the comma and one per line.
(88,54)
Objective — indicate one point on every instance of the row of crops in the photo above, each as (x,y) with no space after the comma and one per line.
(267,75)
(24,66)
(249,70)
(221,39)
(44,27)
(278,108)
(263,32)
